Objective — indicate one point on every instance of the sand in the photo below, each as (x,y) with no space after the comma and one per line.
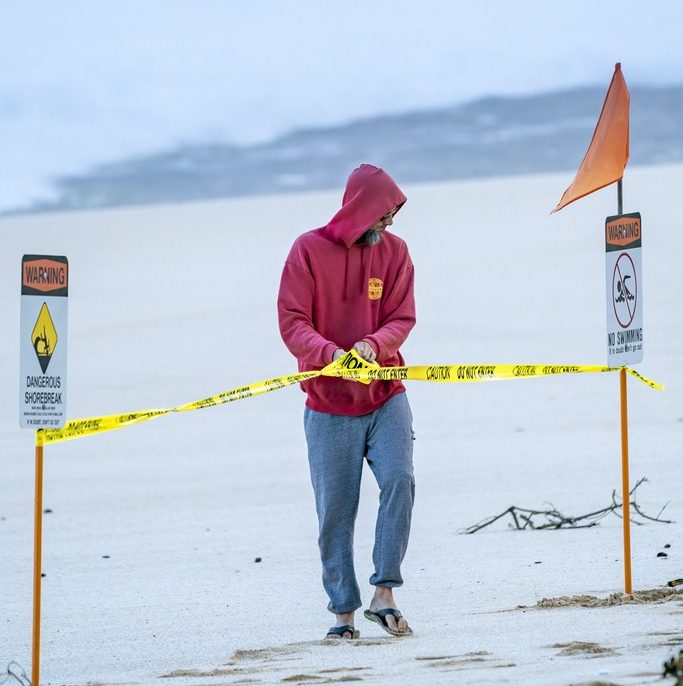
(151,542)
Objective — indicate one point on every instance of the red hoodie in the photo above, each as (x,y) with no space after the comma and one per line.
(334,293)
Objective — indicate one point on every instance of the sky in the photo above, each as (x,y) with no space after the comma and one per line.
(87,82)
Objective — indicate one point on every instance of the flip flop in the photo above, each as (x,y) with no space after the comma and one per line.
(337,633)
(379,617)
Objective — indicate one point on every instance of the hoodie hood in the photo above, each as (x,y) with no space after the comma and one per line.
(370,194)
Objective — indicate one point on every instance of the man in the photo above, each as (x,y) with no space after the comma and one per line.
(349,284)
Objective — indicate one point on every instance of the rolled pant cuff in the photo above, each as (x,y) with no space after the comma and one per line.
(385,584)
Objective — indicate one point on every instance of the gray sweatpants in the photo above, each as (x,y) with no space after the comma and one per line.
(337,446)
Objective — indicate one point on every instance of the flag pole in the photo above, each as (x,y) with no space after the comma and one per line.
(625,487)
(620,197)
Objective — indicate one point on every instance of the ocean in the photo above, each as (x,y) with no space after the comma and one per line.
(487,137)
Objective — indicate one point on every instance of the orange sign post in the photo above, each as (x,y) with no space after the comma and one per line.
(625,481)
(37,567)
(625,487)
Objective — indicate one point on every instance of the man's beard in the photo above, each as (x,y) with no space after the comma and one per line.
(370,237)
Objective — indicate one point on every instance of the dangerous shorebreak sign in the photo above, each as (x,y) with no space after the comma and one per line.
(624,281)
(43,336)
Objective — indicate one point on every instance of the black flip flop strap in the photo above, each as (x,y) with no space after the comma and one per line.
(341,630)
(389,611)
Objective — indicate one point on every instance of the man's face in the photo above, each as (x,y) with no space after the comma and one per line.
(374,234)
(386,220)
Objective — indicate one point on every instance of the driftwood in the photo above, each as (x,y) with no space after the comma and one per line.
(552,518)
(15,672)
(674,667)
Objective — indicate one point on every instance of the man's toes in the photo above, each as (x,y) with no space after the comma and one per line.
(401,625)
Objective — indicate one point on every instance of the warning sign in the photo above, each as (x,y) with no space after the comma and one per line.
(44,297)
(623,247)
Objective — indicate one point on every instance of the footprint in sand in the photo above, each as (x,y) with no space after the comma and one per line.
(655,595)
(308,679)
(583,648)
(467,660)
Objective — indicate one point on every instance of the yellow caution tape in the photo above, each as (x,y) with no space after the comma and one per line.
(350,366)
(468,373)
(77,428)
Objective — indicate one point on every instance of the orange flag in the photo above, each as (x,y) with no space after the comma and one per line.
(606,158)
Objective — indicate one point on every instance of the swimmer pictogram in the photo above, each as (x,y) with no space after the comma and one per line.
(44,337)
(624,290)
(624,293)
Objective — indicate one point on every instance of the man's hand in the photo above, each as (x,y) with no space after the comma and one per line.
(337,354)
(365,350)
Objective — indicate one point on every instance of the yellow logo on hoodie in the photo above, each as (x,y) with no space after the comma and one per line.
(375,288)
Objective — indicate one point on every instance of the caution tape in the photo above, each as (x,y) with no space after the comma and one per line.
(468,373)
(77,428)
(350,366)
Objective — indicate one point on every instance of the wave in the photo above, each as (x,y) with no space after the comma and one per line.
(494,136)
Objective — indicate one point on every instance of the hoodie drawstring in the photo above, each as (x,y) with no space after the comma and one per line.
(364,270)
(346,275)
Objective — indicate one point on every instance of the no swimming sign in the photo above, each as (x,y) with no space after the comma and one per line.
(624,282)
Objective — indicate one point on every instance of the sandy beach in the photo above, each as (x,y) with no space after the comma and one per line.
(153,532)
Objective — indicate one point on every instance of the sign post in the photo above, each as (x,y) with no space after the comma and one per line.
(624,287)
(42,397)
